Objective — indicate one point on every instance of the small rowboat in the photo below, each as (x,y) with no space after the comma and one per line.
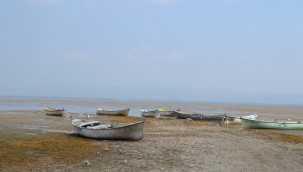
(150,113)
(108,131)
(273,124)
(237,120)
(54,112)
(123,112)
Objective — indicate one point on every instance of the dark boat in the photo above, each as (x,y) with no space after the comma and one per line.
(199,117)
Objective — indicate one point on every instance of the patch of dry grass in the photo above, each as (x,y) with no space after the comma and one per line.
(196,123)
(23,150)
(285,137)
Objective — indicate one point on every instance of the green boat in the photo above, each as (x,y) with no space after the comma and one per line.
(281,125)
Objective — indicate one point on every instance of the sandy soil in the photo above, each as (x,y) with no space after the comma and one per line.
(32,141)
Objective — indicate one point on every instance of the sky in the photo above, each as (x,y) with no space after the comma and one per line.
(194,50)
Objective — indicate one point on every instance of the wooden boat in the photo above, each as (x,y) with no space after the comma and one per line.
(54,112)
(150,113)
(170,113)
(274,124)
(199,117)
(123,112)
(237,120)
(108,131)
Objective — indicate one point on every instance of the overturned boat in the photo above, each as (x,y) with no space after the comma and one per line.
(54,112)
(108,131)
(122,112)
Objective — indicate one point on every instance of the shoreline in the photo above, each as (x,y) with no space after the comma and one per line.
(33,141)
(81,105)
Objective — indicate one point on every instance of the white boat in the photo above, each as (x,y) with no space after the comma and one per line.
(54,112)
(150,113)
(123,112)
(273,124)
(108,131)
(237,120)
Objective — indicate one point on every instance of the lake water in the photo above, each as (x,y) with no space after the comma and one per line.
(89,106)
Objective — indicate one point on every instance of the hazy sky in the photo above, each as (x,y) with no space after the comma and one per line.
(208,50)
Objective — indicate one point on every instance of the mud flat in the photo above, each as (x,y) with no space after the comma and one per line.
(32,141)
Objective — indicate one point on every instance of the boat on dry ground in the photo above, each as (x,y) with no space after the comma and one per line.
(237,120)
(198,117)
(272,124)
(150,113)
(108,131)
(54,112)
(123,112)
(168,113)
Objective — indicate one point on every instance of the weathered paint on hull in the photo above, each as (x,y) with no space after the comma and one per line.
(247,123)
(123,112)
(54,112)
(151,114)
(133,131)
(167,113)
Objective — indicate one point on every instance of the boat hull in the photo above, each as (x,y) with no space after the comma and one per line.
(54,112)
(123,112)
(237,120)
(199,117)
(248,123)
(233,120)
(132,131)
(182,115)
(167,113)
(151,114)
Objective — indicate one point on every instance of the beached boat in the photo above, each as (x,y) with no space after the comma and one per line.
(274,124)
(198,117)
(54,112)
(237,120)
(108,131)
(150,113)
(123,112)
(182,114)
(164,112)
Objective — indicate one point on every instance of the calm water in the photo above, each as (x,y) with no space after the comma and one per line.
(89,106)
(70,105)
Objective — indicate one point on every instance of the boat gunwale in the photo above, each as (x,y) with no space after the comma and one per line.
(49,109)
(105,110)
(275,122)
(109,128)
